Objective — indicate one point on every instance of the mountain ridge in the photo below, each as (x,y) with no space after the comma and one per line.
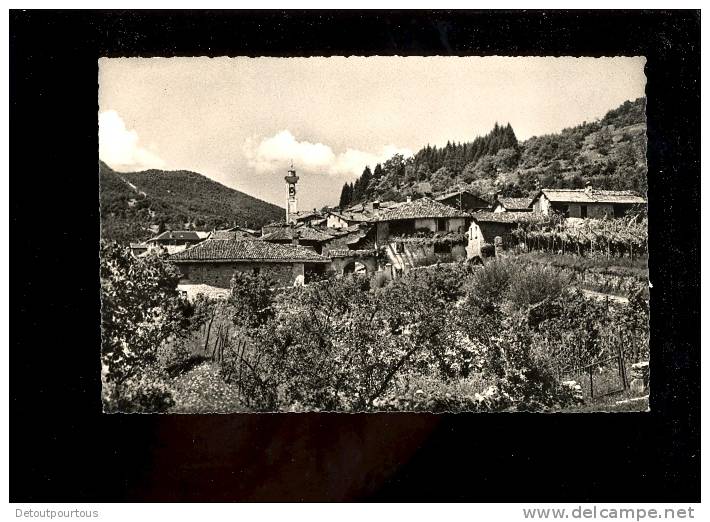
(135,205)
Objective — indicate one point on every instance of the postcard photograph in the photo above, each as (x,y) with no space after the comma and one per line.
(373,234)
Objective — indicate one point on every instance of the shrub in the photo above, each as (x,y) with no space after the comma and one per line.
(488,287)
(488,250)
(252,299)
(533,284)
(140,393)
(528,377)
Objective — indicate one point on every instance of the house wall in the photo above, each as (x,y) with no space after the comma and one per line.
(594,210)
(335,222)
(220,274)
(475,241)
(489,231)
(339,264)
(383,232)
(419,254)
(542,205)
(452,224)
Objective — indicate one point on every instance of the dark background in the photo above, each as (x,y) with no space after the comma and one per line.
(62,448)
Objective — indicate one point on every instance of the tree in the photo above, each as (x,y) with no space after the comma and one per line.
(506,159)
(345,196)
(485,167)
(377,174)
(140,309)
(252,299)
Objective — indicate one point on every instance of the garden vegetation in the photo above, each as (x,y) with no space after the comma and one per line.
(442,338)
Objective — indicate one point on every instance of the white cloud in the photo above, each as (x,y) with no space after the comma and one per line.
(275,152)
(119,148)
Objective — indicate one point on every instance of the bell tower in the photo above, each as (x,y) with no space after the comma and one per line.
(292,203)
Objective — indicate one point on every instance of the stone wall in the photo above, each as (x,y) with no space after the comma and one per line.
(452,224)
(220,274)
(342,264)
(410,255)
(594,210)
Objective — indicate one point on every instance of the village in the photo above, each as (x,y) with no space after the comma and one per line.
(378,237)
(451,293)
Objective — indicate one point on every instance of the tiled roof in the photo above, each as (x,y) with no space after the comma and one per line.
(420,209)
(507,217)
(515,203)
(189,235)
(448,195)
(304,233)
(276,224)
(591,196)
(355,217)
(306,214)
(246,250)
(364,212)
(344,252)
(224,235)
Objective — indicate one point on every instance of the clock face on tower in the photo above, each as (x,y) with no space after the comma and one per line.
(292,190)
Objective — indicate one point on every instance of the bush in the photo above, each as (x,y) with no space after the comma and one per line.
(488,250)
(143,393)
(535,290)
(252,299)
(488,287)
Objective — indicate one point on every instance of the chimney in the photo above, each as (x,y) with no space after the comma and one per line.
(588,187)
(295,234)
(409,199)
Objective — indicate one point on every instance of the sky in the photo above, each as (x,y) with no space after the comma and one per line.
(241,121)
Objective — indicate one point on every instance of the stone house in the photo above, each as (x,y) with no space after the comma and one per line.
(213,262)
(138,249)
(346,218)
(421,232)
(464,200)
(358,214)
(512,205)
(233,233)
(298,235)
(178,238)
(420,215)
(586,202)
(307,217)
(486,226)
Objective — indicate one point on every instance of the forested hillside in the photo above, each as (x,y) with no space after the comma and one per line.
(136,204)
(610,153)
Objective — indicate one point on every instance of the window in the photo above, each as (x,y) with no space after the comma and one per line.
(441,225)
(583,211)
(400,247)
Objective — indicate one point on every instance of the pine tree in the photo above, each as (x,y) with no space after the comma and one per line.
(378,172)
(345,196)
